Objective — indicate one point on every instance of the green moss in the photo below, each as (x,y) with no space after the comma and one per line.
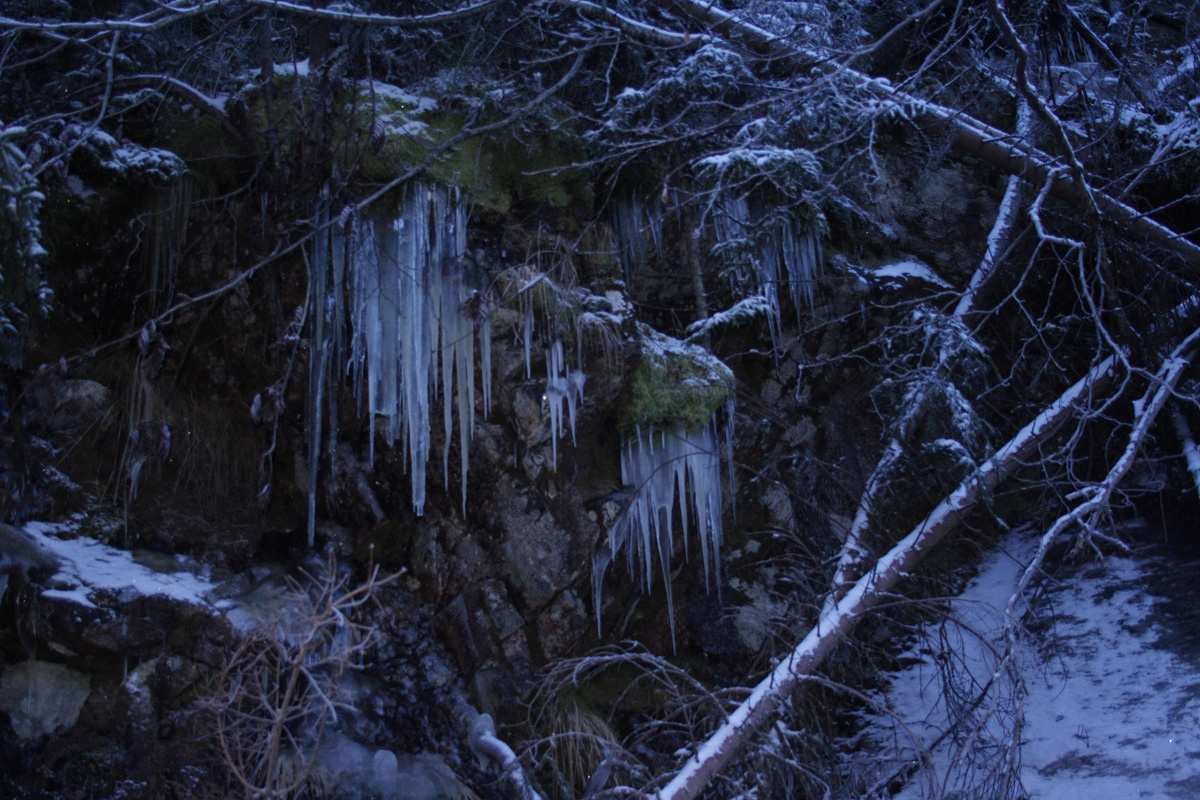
(674,385)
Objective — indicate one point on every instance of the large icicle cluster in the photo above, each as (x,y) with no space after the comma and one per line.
(411,341)
(633,222)
(670,457)
(668,470)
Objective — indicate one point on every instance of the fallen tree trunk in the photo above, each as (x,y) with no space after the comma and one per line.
(969,135)
(834,623)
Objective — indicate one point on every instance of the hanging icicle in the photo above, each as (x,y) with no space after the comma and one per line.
(321,300)
(412,319)
(638,226)
(763,254)
(563,384)
(673,470)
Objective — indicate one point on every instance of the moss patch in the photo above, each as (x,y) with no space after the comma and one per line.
(674,385)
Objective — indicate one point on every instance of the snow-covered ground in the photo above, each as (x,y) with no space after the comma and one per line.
(1111,667)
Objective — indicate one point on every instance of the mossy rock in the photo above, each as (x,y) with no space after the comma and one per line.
(674,385)
(373,134)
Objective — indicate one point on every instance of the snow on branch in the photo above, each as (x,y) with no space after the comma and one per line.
(633,27)
(967,134)
(835,622)
(184,91)
(170,13)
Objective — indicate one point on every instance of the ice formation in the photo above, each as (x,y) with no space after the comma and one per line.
(562,384)
(633,221)
(398,283)
(766,254)
(680,468)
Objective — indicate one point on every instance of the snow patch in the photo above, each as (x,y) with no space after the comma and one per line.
(896,275)
(88,567)
(1110,712)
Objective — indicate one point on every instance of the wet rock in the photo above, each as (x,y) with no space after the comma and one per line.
(561,624)
(545,543)
(531,425)
(42,698)
(360,772)
(778,505)
(65,406)
(469,646)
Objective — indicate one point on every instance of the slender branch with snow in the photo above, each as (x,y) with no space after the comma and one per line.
(1002,229)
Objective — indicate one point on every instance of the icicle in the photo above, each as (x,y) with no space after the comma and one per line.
(730,412)
(447,333)
(528,341)
(556,390)
(485,355)
(575,381)
(320,311)
(668,470)
(600,561)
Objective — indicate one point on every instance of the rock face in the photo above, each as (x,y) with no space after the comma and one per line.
(42,698)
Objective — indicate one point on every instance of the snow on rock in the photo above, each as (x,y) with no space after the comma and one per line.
(894,276)
(133,161)
(395,93)
(87,567)
(740,313)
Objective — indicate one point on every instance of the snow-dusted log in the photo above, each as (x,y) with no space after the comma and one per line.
(999,148)
(835,622)
(854,550)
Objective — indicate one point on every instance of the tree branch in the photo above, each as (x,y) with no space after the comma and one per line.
(170,13)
